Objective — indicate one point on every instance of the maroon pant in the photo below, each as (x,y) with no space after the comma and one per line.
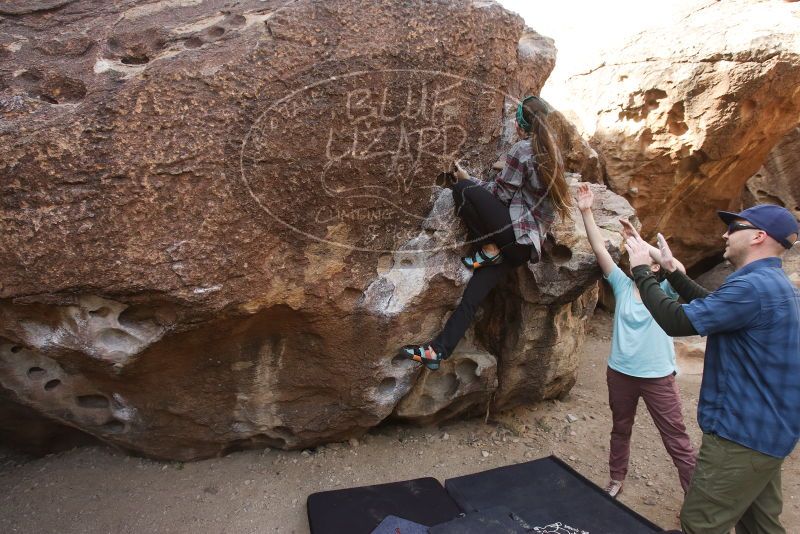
(663,401)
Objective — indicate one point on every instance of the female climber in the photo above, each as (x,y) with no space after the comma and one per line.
(641,363)
(507,220)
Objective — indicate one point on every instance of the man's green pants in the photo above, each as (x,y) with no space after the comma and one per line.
(733,486)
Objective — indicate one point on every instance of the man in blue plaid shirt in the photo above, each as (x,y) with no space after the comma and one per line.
(749,407)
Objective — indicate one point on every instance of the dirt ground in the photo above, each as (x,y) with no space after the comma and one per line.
(96,489)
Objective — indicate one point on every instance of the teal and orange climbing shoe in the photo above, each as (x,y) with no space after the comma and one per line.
(481,259)
(422,354)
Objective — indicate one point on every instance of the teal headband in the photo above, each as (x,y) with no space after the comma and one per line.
(525,125)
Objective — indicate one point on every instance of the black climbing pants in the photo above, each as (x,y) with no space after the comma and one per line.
(488,221)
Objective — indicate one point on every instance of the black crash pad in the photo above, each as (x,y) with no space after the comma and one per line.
(397,525)
(360,510)
(548,492)
(497,520)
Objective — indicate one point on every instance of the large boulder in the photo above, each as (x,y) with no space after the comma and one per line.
(778,180)
(716,276)
(685,114)
(220,222)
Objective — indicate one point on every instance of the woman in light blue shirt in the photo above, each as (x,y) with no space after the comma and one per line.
(641,363)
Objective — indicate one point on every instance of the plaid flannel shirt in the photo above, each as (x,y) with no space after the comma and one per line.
(518,187)
(751,381)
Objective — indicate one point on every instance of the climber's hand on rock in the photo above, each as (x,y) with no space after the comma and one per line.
(459,171)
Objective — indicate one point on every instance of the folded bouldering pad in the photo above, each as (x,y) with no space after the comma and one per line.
(361,510)
(397,525)
(497,520)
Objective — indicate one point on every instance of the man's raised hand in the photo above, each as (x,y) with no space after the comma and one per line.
(638,251)
(667,259)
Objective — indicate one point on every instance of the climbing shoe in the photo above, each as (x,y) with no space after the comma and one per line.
(481,259)
(422,354)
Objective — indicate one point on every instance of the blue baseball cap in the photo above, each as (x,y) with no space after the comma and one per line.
(776,221)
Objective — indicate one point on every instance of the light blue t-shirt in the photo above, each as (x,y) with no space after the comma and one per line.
(639,347)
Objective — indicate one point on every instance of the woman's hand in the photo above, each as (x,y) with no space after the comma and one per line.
(585,197)
(459,172)
(627,229)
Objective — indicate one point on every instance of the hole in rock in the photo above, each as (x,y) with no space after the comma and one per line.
(113,427)
(677,128)
(136,316)
(92,401)
(36,373)
(134,60)
(193,42)
(692,163)
(114,339)
(30,76)
(63,89)
(652,96)
(467,371)
(443,386)
(44,98)
(52,384)
(216,31)
(100,312)
(387,385)
(675,119)
(560,254)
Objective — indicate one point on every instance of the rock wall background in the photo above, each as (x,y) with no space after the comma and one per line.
(684,114)
(778,179)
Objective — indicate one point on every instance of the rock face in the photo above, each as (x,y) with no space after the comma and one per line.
(778,180)
(715,277)
(690,354)
(219,223)
(684,115)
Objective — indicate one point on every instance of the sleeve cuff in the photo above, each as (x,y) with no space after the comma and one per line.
(640,271)
(695,319)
